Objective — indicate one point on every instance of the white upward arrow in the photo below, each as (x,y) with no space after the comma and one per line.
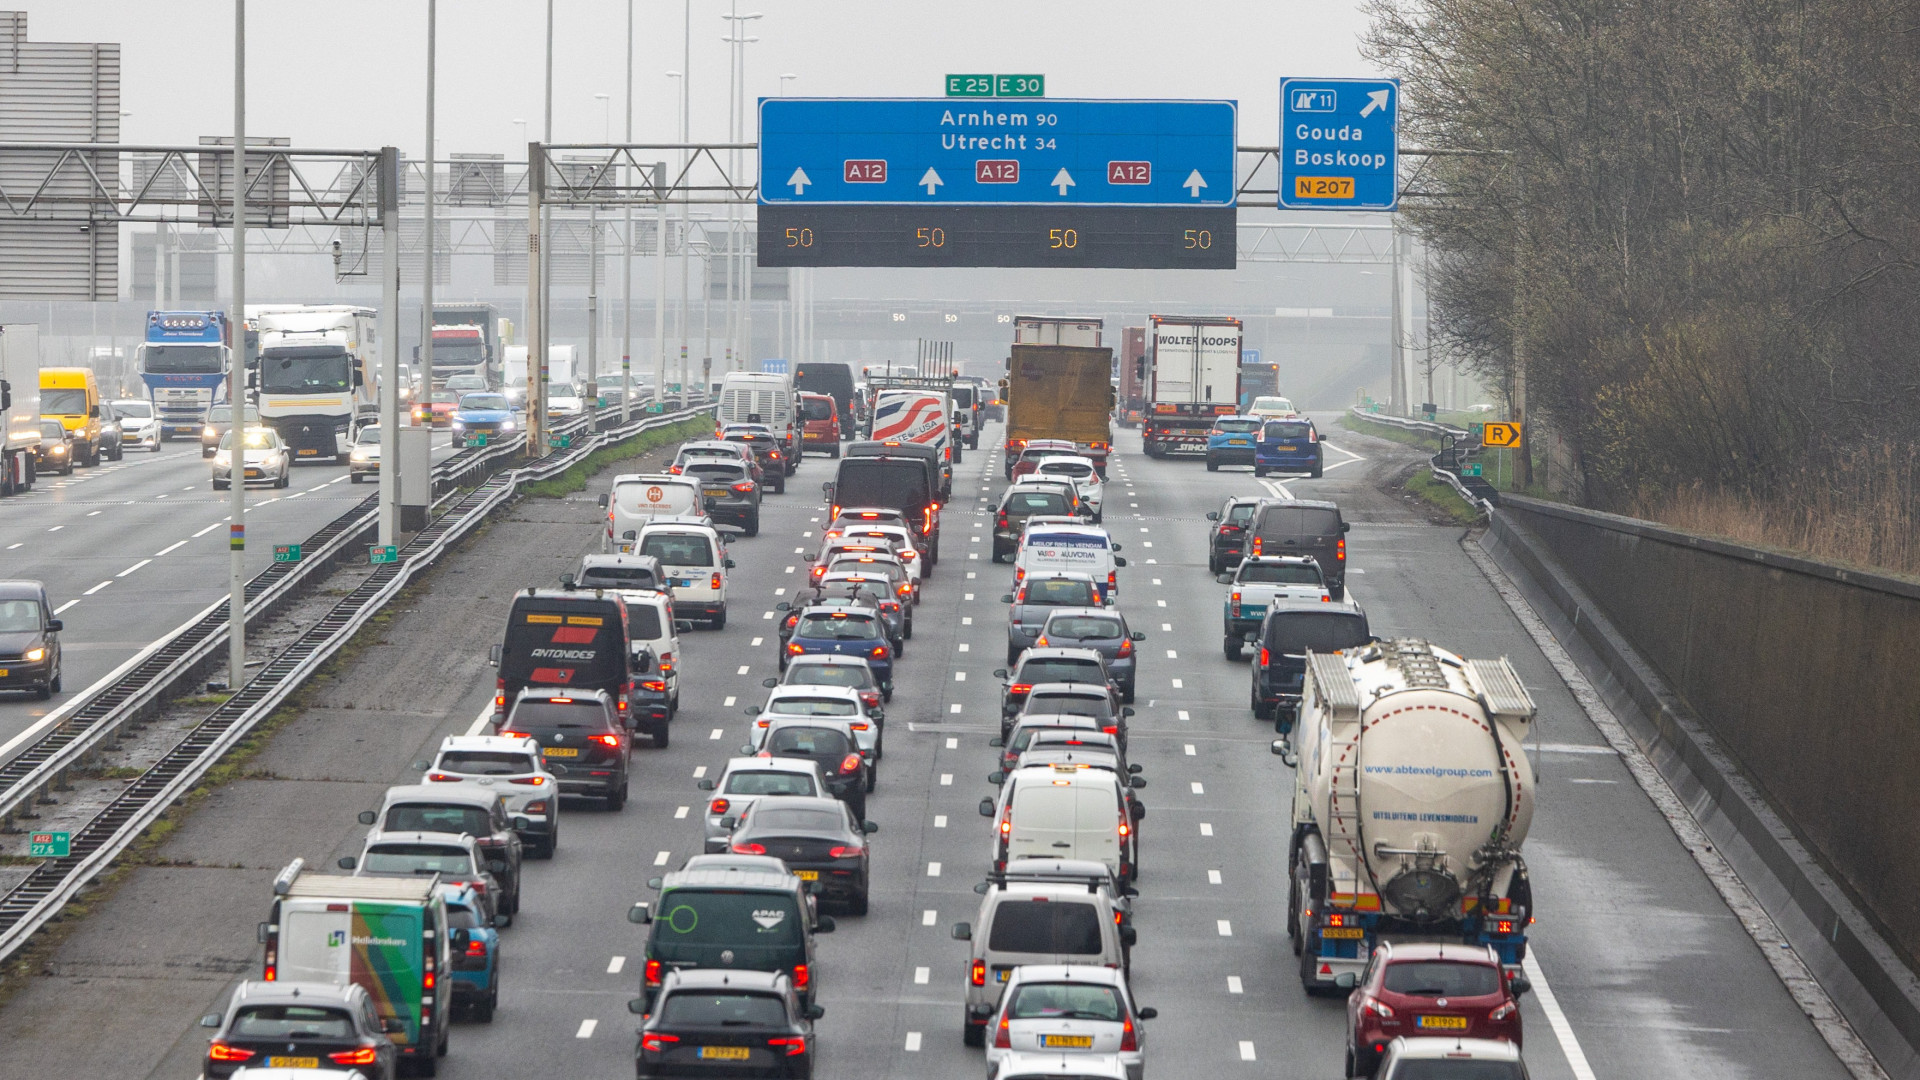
(1375,100)
(931,180)
(1062,181)
(1194,183)
(798,181)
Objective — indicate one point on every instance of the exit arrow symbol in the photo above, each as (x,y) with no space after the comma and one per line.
(931,180)
(1375,100)
(1193,183)
(798,181)
(1062,181)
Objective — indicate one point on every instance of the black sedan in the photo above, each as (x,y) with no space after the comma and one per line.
(733,498)
(825,740)
(725,1023)
(818,839)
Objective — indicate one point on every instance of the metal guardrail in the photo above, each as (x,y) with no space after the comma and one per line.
(1445,465)
(44,892)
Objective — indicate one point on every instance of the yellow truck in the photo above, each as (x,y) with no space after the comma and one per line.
(1059,386)
(71,395)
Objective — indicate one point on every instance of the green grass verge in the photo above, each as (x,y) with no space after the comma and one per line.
(1439,495)
(575,478)
(1429,443)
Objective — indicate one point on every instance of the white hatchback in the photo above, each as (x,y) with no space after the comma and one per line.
(1069,1009)
(1085,476)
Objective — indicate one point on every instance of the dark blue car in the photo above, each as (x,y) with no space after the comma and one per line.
(1288,445)
(846,629)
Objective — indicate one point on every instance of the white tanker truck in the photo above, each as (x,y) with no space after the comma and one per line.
(1412,796)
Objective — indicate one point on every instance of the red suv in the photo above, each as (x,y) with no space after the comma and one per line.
(820,419)
(1421,989)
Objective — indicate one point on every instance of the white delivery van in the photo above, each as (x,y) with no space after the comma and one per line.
(694,559)
(757,398)
(1051,546)
(1064,811)
(638,498)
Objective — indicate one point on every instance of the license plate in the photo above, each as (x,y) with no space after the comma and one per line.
(717,492)
(1236,442)
(1343,933)
(4,673)
(308,453)
(560,751)
(293,1063)
(724,1053)
(1066,1042)
(807,875)
(1000,974)
(682,583)
(1284,446)
(1441,1023)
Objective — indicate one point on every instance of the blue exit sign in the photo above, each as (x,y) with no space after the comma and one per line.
(1321,101)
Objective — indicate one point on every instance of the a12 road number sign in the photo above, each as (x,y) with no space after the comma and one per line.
(1495,433)
(49,845)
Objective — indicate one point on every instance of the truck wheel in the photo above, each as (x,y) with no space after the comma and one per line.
(1231,646)
(1293,905)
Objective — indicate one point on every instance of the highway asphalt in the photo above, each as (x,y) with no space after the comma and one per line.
(1642,970)
(132,549)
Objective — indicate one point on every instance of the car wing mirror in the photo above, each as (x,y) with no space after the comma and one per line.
(1119,561)
(1138,810)
(637,1006)
(346,862)
(393,1025)
(748,748)
(996,741)
(814,1012)
(782,606)
(729,563)
(1128,711)
(1213,515)
(654,883)
(962,932)
(556,768)
(986,807)
(1346,980)
(211,1020)
(1346,526)
(683,624)
(1128,936)
(462,938)
(498,866)
(630,534)
(640,913)
(1116,547)
(566,581)
(1135,770)
(997,777)
(1006,598)
(1278,747)
(729,821)
(705,785)
(1138,635)
(54,626)
(770,682)
(601,500)
(1137,783)
(1148,1013)
(869,827)
(367,817)
(751,710)
(493,655)
(1519,984)
(421,765)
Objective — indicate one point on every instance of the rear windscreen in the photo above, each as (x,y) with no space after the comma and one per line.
(837,626)
(730,1008)
(1082,627)
(545,714)
(1039,671)
(1442,978)
(1296,632)
(1237,427)
(1045,927)
(583,647)
(848,675)
(291,1022)
(1060,592)
(1280,573)
(809,742)
(618,575)
(1286,429)
(678,549)
(485,763)
(1072,704)
(816,409)
(1026,503)
(1283,521)
(757,782)
(898,484)
(716,470)
(963,397)
(1073,540)
(774,816)
(833,380)
(423,817)
(1455,1069)
(1240,512)
(810,706)
(643,622)
(701,917)
(1066,468)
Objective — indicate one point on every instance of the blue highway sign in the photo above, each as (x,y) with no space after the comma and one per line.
(948,151)
(1339,144)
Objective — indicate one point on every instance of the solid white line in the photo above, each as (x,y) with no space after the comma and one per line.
(169,547)
(586,1028)
(482,721)
(132,568)
(1557,1020)
(97,588)
(614,965)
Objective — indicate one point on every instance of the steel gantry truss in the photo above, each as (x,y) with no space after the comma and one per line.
(188,184)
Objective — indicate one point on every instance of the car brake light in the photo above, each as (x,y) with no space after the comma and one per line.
(714,582)
(365,1054)
(1002,1036)
(476,947)
(1233,603)
(1376,1007)
(1020,688)
(977,974)
(674,469)
(1126,647)
(220,1051)
(1124,828)
(656,685)
(1129,1042)
(1263,657)
(793,1047)
(879,652)
(507,733)
(654,1041)
(1006,825)
(1113,579)
(442,778)
(744,487)
(718,806)
(849,765)
(801,977)
(1111,730)
(606,740)
(538,806)
(749,848)
(1504,1011)
(530,781)
(1340,550)
(847,852)
(794,647)
(1040,642)
(1256,545)
(653,973)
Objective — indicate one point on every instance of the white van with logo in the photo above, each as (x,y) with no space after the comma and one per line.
(1050,546)
(693,556)
(638,498)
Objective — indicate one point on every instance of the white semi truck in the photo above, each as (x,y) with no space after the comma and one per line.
(1412,796)
(1192,374)
(316,375)
(19,405)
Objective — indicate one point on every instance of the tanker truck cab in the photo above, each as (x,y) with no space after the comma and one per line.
(1412,797)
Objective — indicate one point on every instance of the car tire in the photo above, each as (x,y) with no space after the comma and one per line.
(1126,695)
(858,905)
(1315,474)
(155,447)
(780,484)
(120,452)
(54,684)
(1213,465)
(617,799)
(286,481)
(354,479)
(1259,472)
(973,1034)
(859,808)
(907,631)
(835,452)
(1213,562)
(1350,1062)
(873,778)
(753,525)
(484,1013)
(719,621)
(661,736)
(43,692)
(1231,646)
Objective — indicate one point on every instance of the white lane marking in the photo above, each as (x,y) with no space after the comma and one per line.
(97,588)
(1198,788)
(954,708)
(1146,543)
(966,620)
(959,676)
(1162,603)
(809,532)
(788,570)
(779,592)
(680,812)
(1582,780)
(933,869)
(1557,1020)
(1156,581)
(10,547)
(1191,751)
(296,495)
(1246,1046)
(920,976)
(661,859)
(95,513)
(972,555)
(744,668)
(799,551)
(56,528)
(964,647)
(717,732)
(946,779)
(767,615)
(132,568)
(953,744)
(586,1028)
(755,643)
(1224,926)
(1151,562)
(913,1042)
(970,575)
(700,772)
(614,965)
(162,551)
(66,605)
(1178,685)
(939,821)
(968,596)
(1206,828)
(929,917)
(1166,628)
(208,529)
(483,720)
(728,704)
(1233,985)
(1182,714)
(1171,655)
(1143,528)
(1213,877)
(976,539)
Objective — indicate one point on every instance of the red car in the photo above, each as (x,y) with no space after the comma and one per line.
(820,418)
(437,410)
(1035,449)
(1422,989)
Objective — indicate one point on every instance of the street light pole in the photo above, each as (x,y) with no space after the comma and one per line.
(684,231)
(626,259)
(425,374)
(236,373)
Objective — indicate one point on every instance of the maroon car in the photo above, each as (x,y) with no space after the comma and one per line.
(1423,989)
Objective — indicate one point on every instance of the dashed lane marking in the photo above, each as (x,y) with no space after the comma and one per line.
(98,587)
(162,551)
(680,812)
(953,743)
(614,965)
(729,703)
(717,732)
(66,605)
(1171,655)
(954,708)
(1233,985)
(586,1028)
(1191,751)
(1246,1050)
(755,643)
(959,676)
(744,668)
(767,615)
(208,529)
(946,779)
(964,647)
(700,772)
(913,1042)
(1206,828)
(939,821)
(1178,685)
(933,869)
(661,859)
(1199,788)
(929,917)
(1213,877)
(920,976)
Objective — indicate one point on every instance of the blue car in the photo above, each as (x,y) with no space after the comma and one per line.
(476,953)
(1288,445)
(1231,441)
(845,629)
(483,414)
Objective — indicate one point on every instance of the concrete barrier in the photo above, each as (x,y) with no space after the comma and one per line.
(1781,698)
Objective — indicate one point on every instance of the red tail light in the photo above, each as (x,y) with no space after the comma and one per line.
(1020,688)
(507,733)
(656,685)
(1256,545)
(530,781)
(1002,1036)
(220,1051)
(1126,647)
(442,778)
(744,487)
(1115,730)
(1040,642)
(1006,825)
(749,849)
(880,652)
(653,1041)
(794,648)
(1312,436)
(1374,1006)
(674,469)
(606,740)
(653,973)
(802,978)
(714,582)
(926,519)
(847,852)
(793,1047)
(718,806)
(848,766)
(1340,550)
(500,696)
(1001,521)
(977,974)
(1129,1041)
(539,806)
(1124,830)
(1233,602)
(1263,657)
(476,947)
(775,455)
(1504,1011)
(362,1055)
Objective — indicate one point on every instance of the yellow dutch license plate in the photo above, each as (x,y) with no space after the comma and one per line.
(1343,933)
(560,751)
(293,1063)
(1067,1042)
(807,875)
(1441,1023)
(1236,442)
(308,453)
(4,673)
(1000,974)
(724,1053)
(717,492)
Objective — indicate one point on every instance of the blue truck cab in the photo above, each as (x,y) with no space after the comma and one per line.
(1289,444)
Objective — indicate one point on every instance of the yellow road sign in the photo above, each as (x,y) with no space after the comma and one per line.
(1500,434)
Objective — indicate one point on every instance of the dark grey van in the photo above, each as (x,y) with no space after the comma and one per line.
(1280,658)
(1302,527)
(749,920)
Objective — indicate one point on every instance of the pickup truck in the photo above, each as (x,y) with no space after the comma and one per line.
(1261,582)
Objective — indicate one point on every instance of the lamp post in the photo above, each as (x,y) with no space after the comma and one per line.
(783,82)
(739,284)
(684,229)
(626,257)
(236,372)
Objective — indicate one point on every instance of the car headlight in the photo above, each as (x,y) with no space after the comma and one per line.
(506,425)
(362,455)
(208,432)
(458,425)
(33,655)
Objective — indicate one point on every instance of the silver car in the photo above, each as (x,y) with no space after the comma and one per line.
(139,424)
(749,778)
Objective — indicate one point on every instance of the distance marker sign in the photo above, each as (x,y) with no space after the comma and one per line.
(1339,142)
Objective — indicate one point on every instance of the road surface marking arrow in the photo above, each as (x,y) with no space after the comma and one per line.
(1193,183)
(798,181)
(931,180)
(1062,181)
(1375,100)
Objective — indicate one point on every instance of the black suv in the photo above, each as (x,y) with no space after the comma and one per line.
(1280,662)
(747,920)
(1226,546)
(733,498)
(1309,527)
(581,735)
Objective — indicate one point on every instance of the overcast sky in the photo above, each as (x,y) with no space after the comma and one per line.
(351,73)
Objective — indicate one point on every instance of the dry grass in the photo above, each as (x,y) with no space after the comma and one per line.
(1859,511)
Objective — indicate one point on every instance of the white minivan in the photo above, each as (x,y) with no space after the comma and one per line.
(1050,546)
(1063,811)
(638,498)
(694,559)
(748,397)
